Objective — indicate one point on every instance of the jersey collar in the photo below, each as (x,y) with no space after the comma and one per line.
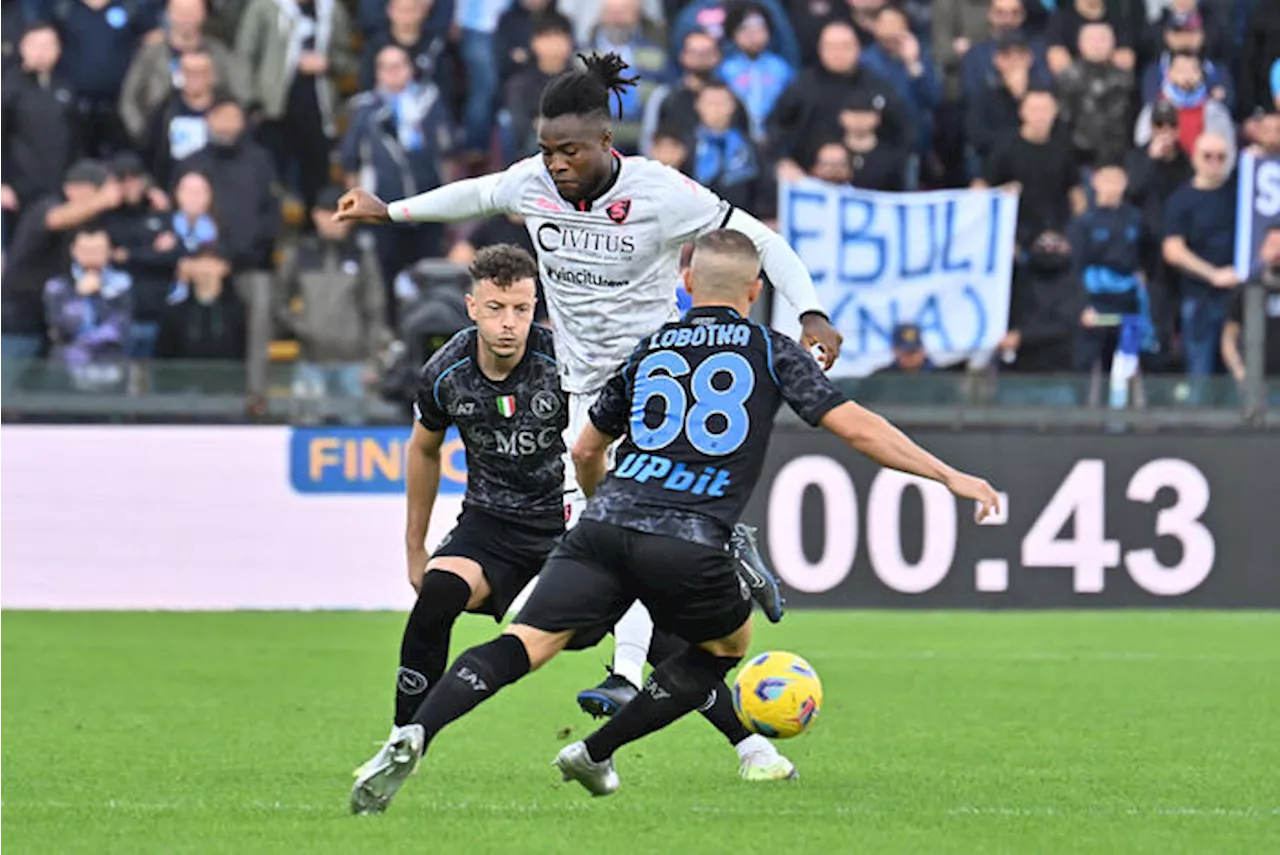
(713,312)
(585,204)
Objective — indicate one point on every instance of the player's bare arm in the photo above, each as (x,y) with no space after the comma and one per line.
(590,457)
(361,206)
(877,438)
(421,484)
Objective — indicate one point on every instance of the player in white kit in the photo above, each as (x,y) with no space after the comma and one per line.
(608,231)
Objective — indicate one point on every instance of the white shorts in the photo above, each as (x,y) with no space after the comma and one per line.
(579,417)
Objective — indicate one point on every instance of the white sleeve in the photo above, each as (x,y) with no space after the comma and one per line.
(688,208)
(780,263)
(467,199)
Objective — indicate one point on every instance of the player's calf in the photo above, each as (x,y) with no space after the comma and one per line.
(424,649)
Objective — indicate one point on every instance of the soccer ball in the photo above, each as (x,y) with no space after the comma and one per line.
(777,695)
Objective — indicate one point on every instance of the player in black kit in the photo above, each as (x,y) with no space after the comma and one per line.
(497,382)
(696,403)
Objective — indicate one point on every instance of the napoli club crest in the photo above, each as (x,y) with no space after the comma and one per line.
(619,210)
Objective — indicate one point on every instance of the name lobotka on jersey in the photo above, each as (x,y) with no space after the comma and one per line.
(512,429)
(696,402)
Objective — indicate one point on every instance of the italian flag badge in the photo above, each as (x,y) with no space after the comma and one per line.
(507,405)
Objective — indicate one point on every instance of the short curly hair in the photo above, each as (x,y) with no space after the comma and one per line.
(502,264)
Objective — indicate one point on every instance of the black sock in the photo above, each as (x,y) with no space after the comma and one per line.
(678,686)
(424,650)
(720,712)
(475,676)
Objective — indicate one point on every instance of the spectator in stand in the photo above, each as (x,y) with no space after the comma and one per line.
(372,17)
(670,149)
(993,111)
(586,14)
(1199,29)
(961,25)
(1007,19)
(671,106)
(205,320)
(1045,310)
(476,22)
(88,313)
(810,107)
(513,39)
(1198,111)
(195,221)
(99,39)
(1063,33)
(1199,244)
(294,49)
(1258,57)
(862,14)
(340,326)
(831,163)
(1185,35)
(395,145)
(1154,173)
(1037,161)
(407,28)
(179,127)
(710,16)
(552,47)
(909,356)
(724,157)
(39,123)
(896,56)
(39,249)
(1095,99)
(144,246)
(756,75)
(1266,135)
(1267,277)
(155,72)
(620,31)
(1107,259)
(505,228)
(241,175)
(877,164)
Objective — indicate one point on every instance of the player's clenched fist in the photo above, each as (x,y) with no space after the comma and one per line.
(361,206)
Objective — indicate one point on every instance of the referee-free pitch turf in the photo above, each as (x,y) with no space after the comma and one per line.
(981,732)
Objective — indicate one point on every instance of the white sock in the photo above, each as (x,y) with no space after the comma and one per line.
(754,744)
(631,638)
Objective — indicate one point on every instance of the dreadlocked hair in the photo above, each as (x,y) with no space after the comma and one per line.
(586,90)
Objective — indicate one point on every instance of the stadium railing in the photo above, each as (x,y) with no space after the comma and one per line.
(204,392)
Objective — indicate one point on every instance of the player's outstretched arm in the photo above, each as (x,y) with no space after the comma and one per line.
(877,438)
(789,275)
(421,484)
(590,457)
(467,199)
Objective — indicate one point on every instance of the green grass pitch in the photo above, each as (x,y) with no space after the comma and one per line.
(982,732)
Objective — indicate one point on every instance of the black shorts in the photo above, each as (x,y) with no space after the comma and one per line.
(599,570)
(510,554)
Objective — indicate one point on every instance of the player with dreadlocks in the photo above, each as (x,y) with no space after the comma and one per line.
(608,231)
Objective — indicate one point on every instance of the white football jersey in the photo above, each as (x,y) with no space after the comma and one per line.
(609,268)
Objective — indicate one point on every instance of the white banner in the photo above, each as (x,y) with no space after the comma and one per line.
(209,518)
(942,260)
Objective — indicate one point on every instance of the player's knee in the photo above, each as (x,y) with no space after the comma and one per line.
(735,645)
(540,645)
(694,671)
(442,597)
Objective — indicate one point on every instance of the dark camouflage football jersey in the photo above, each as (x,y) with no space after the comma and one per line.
(512,429)
(696,402)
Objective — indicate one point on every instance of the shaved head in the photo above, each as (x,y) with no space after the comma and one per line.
(725,268)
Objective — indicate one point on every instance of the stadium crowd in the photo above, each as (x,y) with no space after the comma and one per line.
(159,159)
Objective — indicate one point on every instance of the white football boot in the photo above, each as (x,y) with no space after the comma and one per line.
(575,764)
(762,762)
(379,779)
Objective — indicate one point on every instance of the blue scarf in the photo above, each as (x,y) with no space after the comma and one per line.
(194,235)
(1184,100)
(725,157)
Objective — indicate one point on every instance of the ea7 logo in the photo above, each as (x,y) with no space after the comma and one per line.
(472,679)
(653,690)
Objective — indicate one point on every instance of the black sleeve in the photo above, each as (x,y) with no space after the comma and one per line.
(611,413)
(996,170)
(428,408)
(801,380)
(1236,311)
(1058,32)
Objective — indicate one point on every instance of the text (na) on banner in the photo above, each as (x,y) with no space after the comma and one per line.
(940,259)
(1257,208)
